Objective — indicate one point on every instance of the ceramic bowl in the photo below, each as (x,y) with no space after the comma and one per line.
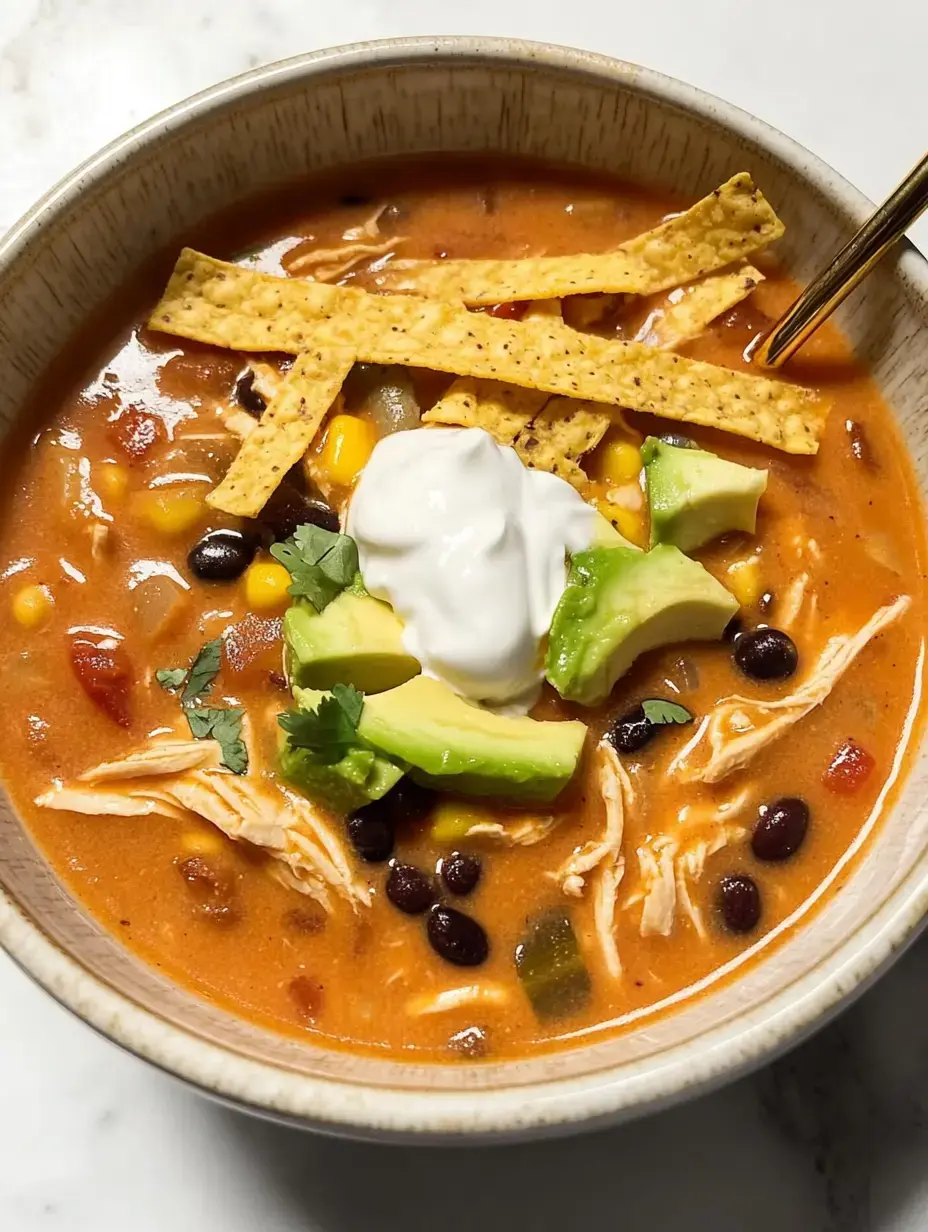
(399,97)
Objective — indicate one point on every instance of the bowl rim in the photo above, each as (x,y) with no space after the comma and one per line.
(555,1106)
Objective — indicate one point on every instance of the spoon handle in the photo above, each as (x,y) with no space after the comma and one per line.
(855,260)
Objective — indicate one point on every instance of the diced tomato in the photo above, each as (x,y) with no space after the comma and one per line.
(104,673)
(308,996)
(512,311)
(213,889)
(850,767)
(137,431)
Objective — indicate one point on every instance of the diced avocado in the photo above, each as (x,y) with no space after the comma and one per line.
(360,777)
(356,640)
(453,745)
(619,603)
(695,496)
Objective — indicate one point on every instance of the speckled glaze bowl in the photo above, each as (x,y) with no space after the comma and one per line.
(405,96)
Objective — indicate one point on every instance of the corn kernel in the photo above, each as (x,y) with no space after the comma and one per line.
(744,580)
(169,511)
(32,606)
(452,820)
(111,481)
(266,584)
(619,461)
(629,523)
(349,443)
(202,842)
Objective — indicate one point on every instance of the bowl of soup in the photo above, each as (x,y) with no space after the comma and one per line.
(451,691)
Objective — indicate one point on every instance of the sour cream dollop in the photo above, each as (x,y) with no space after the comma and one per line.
(469,548)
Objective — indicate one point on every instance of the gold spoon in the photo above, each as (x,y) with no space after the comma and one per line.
(853,263)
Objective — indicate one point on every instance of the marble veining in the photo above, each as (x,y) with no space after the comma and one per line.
(834,1136)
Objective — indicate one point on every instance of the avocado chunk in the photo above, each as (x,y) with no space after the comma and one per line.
(695,496)
(344,786)
(620,602)
(356,640)
(448,743)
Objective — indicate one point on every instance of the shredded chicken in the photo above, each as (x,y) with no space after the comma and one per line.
(184,777)
(613,782)
(670,861)
(523,833)
(267,380)
(94,803)
(456,998)
(369,229)
(99,538)
(160,757)
(604,858)
(330,264)
(240,424)
(739,727)
(657,870)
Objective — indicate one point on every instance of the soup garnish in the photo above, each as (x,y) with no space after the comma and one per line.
(445,640)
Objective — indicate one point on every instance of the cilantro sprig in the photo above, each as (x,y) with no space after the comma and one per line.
(220,723)
(661,712)
(224,724)
(330,730)
(321,563)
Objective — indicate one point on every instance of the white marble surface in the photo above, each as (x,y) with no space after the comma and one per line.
(835,1137)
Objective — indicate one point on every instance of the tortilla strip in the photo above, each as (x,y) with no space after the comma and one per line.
(284,432)
(502,410)
(725,226)
(691,309)
(222,304)
(560,435)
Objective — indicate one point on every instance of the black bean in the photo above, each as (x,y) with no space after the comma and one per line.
(733,629)
(289,508)
(247,396)
(766,654)
(781,828)
(222,555)
(371,832)
(461,872)
(678,440)
(739,902)
(631,732)
(409,889)
(408,803)
(457,938)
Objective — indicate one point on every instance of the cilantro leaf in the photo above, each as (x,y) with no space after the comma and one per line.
(321,563)
(203,671)
(225,725)
(331,729)
(658,711)
(171,678)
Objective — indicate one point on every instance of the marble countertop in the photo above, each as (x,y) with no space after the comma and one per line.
(834,1138)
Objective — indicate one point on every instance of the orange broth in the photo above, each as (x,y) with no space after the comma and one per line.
(357,974)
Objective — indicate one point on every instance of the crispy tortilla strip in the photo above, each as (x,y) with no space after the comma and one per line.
(731,222)
(560,435)
(212,301)
(691,309)
(740,727)
(284,432)
(502,410)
